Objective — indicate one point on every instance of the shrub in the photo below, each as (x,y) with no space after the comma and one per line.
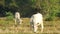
(9,15)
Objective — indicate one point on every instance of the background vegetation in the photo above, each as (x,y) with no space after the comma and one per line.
(49,8)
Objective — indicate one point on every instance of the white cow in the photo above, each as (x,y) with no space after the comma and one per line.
(35,21)
(17,18)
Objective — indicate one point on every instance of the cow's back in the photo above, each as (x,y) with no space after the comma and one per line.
(17,15)
(37,18)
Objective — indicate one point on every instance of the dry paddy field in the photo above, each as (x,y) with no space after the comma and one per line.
(8,27)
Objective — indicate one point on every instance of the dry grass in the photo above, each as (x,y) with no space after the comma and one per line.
(8,27)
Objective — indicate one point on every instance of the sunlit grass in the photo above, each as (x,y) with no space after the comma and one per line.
(8,27)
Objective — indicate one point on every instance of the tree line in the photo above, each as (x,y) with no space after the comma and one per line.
(49,8)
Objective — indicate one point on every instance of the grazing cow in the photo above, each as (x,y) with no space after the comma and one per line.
(18,20)
(35,21)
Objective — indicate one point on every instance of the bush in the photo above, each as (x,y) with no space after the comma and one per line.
(51,16)
(58,14)
(9,15)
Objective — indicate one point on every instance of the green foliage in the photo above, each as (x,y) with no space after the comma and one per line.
(49,8)
(58,14)
(9,15)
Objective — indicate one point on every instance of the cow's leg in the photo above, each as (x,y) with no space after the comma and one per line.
(31,25)
(35,28)
(20,21)
(42,27)
(15,21)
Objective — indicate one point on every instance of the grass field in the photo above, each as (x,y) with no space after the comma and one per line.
(8,27)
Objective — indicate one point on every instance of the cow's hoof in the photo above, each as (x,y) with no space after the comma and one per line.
(35,32)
